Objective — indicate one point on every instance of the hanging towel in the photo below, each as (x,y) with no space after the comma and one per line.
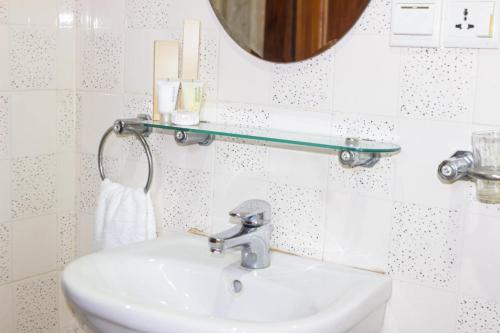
(124,215)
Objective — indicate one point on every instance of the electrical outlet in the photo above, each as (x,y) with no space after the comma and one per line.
(470,24)
(465,23)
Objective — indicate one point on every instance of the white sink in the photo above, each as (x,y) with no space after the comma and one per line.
(174,285)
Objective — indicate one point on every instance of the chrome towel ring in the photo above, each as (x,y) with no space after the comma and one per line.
(135,127)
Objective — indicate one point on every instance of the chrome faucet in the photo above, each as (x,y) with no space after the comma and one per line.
(253,235)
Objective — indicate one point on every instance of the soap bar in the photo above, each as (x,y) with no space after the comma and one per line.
(185,118)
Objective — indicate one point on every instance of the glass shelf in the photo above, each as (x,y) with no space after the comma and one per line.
(278,136)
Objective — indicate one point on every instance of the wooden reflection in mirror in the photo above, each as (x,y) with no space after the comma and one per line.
(287,30)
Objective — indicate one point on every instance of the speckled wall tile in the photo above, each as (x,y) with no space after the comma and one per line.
(148,14)
(377,181)
(3,12)
(33,185)
(307,84)
(65,120)
(67,238)
(68,13)
(298,218)
(74,328)
(138,104)
(134,105)
(208,65)
(5,253)
(186,197)
(89,180)
(79,10)
(71,329)
(32,54)
(78,119)
(243,115)
(424,244)
(4,126)
(376,19)
(133,150)
(478,207)
(158,141)
(478,316)
(237,155)
(364,127)
(36,305)
(85,233)
(437,83)
(100,65)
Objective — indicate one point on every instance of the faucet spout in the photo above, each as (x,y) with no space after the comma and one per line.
(221,241)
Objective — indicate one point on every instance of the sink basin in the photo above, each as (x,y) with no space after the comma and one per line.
(174,285)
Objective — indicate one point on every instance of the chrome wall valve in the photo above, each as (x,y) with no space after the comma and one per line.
(456,167)
(460,166)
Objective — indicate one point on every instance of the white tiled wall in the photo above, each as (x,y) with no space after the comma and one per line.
(437,243)
(37,162)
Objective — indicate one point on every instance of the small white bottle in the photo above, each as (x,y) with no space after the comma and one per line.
(168,91)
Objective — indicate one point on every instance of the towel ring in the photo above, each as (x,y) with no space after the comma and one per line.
(119,127)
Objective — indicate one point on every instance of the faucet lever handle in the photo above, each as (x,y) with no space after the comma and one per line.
(253,213)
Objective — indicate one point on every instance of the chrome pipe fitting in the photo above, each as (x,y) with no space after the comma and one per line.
(185,138)
(125,126)
(456,167)
(351,159)
(460,166)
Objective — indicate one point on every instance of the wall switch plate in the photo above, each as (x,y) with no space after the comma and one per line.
(471,24)
(416,24)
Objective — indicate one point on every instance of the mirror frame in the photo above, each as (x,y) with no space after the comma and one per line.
(246,48)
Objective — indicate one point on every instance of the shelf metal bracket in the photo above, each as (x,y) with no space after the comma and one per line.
(186,138)
(124,126)
(351,159)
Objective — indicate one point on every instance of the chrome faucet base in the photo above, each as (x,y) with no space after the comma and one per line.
(254,243)
(252,236)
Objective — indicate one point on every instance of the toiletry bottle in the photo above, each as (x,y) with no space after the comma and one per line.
(192,95)
(168,91)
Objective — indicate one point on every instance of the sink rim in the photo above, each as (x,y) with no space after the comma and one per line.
(119,310)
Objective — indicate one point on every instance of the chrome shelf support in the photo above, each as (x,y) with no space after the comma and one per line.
(352,159)
(185,138)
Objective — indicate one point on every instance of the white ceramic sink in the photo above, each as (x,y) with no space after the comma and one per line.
(174,285)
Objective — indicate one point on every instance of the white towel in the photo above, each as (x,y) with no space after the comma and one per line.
(124,215)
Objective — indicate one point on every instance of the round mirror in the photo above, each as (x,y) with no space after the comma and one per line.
(287,30)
